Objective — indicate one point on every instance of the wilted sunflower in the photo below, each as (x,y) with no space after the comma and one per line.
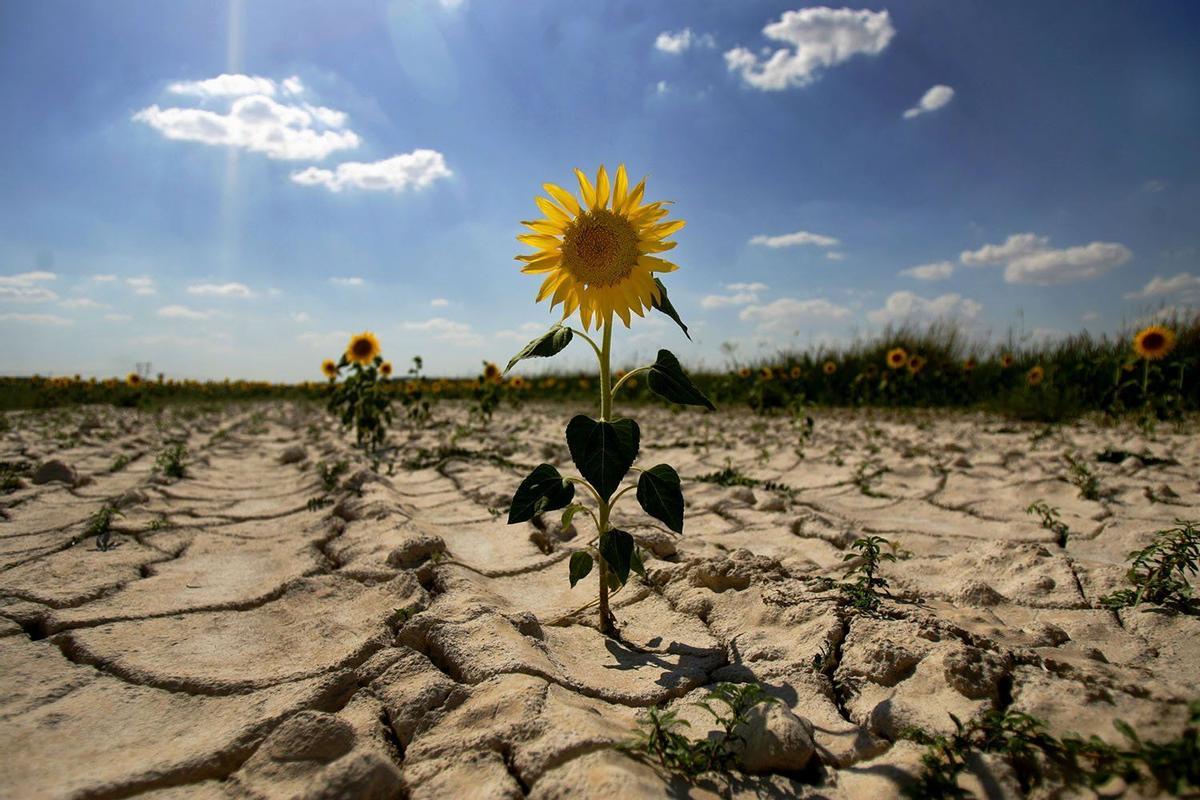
(599,254)
(490,371)
(1007,360)
(744,372)
(329,368)
(386,368)
(897,358)
(829,367)
(1154,342)
(1035,375)
(133,379)
(916,364)
(363,348)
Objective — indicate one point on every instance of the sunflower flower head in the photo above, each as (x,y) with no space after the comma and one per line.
(598,255)
(133,379)
(897,358)
(969,365)
(329,369)
(1154,342)
(829,367)
(386,369)
(1007,360)
(491,372)
(363,348)
(1035,375)
(916,363)
(796,373)
(744,372)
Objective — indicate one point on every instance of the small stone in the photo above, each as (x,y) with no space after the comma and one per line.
(1046,634)
(310,736)
(416,550)
(293,455)
(774,503)
(657,542)
(743,494)
(776,740)
(1166,491)
(962,462)
(131,497)
(978,593)
(55,470)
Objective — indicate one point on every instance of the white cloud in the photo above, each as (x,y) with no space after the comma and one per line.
(814,38)
(522,334)
(932,100)
(256,123)
(292,85)
(834,255)
(416,170)
(439,302)
(794,239)
(1090,316)
(662,87)
(1081,263)
(904,305)
(1015,246)
(787,312)
(741,294)
(183,312)
(81,302)
(36,319)
(333,339)
(1154,185)
(301,316)
(347,281)
(225,85)
(446,330)
(143,286)
(937,271)
(746,287)
(221,289)
(104,278)
(676,43)
(1182,283)
(24,287)
(118,317)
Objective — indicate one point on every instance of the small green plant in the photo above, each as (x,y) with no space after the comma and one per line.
(864,593)
(1050,520)
(160,524)
(658,735)
(1159,572)
(331,474)
(317,503)
(417,407)
(11,473)
(1082,476)
(866,474)
(119,463)
(172,461)
(361,400)
(100,526)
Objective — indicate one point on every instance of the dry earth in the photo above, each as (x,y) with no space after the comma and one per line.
(405,641)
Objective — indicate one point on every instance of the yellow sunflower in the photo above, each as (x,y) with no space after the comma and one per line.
(897,358)
(490,371)
(1154,342)
(386,368)
(517,382)
(329,368)
(796,373)
(829,367)
(744,372)
(1035,375)
(916,364)
(598,255)
(1007,360)
(133,379)
(766,374)
(363,348)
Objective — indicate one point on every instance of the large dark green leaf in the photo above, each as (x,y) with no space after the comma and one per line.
(668,380)
(581,565)
(617,549)
(603,452)
(659,493)
(663,304)
(543,490)
(546,345)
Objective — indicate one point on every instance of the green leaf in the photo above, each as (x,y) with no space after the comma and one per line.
(603,452)
(546,345)
(668,380)
(663,304)
(616,547)
(542,490)
(581,565)
(569,514)
(659,493)
(635,562)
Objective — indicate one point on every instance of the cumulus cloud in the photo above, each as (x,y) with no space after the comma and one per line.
(346,281)
(446,330)
(678,42)
(787,312)
(36,319)
(1183,283)
(439,302)
(143,285)
(25,287)
(739,294)
(292,85)
(905,305)
(221,289)
(257,123)
(324,341)
(416,170)
(814,39)
(522,334)
(937,271)
(183,312)
(1028,258)
(794,239)
(301,316)
(932,100)
(225,85)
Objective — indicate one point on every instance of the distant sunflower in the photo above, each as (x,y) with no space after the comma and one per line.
(766,373)
(796,373)
(897,358)
(744,372)
(517,382)
(329,369)
(490,371)
(829,367)
(386,368)
(363,348)
(916,363)
(969,365)
(133,379)
(1007,360)
(1035,375)
(1154,342)
(599,254)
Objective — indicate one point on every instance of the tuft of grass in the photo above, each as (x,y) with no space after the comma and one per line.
(100,526)
(1159,571)
(172,461)
(1050,520)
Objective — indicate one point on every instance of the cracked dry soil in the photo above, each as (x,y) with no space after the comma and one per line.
(403,641)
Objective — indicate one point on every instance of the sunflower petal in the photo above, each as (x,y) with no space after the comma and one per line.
(620,189)
(586,190)
(652,246)
(539,240)
(543,226)
(602,189)
(565,198)
(665,229)
(549,285)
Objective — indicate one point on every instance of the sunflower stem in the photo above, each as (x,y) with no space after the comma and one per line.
(629,375)
(607,623)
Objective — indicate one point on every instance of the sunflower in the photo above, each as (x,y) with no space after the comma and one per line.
(490,371)
(517,382)
(796,373)
(329,368)
(969,365)
(363,348)
(916,364)
(744,372)
(766,374)
(1035,375)
(829,367)
(599,255)
(1007,360)
(386,368)
(1154,342)
(133,379)
(897,358)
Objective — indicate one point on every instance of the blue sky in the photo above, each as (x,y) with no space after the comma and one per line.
(229,190)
